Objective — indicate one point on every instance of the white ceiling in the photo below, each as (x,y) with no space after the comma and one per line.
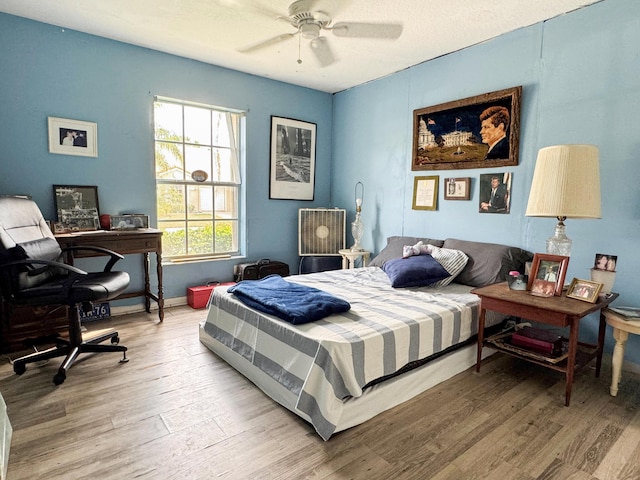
(212,31)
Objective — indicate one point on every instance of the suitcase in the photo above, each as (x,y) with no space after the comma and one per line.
(260,269)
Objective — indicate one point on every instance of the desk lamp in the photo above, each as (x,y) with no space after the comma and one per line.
(566,184)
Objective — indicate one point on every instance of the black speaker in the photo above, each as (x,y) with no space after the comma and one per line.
(313,264)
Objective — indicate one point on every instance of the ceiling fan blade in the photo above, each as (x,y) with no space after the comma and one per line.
(322,51)
(367,30)
(267,43)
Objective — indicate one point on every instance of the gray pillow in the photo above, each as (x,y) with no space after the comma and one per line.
(394,248)
(488,262)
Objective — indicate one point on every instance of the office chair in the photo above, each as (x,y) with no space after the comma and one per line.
(32,272)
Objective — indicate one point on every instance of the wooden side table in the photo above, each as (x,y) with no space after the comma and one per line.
(622,327)
(557,311)
(349,257)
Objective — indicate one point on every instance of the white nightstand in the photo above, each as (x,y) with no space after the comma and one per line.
(349,257)
(622,327)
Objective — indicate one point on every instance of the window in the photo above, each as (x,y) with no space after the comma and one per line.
(197,178)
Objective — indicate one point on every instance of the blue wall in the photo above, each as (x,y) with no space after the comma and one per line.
(48,71)
(579,74)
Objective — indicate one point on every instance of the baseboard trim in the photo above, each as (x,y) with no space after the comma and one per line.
(138,308)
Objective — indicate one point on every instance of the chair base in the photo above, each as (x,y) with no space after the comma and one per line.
(71,349)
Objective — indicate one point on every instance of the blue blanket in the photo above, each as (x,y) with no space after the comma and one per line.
(292,302)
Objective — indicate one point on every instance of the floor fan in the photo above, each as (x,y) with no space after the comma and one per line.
(321,234)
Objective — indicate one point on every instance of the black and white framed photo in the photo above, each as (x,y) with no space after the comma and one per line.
(292,160)
(73,137)
(76,208)
(129,221)
(457,188)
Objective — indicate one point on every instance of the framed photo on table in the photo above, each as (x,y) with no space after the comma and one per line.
(293,159)
(76,208)
(584,290)
(547,274)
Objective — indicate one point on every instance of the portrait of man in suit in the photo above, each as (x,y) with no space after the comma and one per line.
(495,192)
(493,130)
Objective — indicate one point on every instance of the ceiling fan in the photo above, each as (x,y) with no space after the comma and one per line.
(310,24)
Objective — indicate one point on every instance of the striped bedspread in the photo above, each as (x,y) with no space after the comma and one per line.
(326,362)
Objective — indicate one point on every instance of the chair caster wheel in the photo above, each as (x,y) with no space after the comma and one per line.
(19,368)
(59,378)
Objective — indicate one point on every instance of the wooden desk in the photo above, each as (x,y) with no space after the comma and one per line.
(142,241)
(556,311)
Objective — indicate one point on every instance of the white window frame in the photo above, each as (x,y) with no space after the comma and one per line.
(235,119)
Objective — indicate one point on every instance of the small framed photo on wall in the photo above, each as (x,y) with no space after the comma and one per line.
(425,193)
(457,188)
(73,137)
(495,192)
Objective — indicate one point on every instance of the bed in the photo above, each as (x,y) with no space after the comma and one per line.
(393,343)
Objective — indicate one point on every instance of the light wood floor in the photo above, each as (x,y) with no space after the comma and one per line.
(176,411)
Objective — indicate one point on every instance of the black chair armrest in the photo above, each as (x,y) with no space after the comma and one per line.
(49,263)
(115,256)
(74,272)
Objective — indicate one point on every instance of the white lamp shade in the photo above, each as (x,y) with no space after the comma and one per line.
(566,183)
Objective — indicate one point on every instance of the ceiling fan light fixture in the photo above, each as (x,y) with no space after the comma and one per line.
(310,30)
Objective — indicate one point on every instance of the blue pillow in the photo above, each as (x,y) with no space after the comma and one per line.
(415,271)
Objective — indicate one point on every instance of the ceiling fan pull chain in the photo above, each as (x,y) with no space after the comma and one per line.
(299,59)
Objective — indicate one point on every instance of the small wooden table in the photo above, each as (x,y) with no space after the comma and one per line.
(125,242)
(622,327)
(557,311)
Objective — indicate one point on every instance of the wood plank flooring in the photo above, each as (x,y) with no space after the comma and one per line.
(176,411)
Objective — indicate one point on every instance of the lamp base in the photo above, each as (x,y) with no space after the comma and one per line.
(559,243)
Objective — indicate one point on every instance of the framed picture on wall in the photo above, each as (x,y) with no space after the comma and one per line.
(76,208)
(292,160)
(425,193)
(457,188)
(495,192)
(73,137)
(475,132)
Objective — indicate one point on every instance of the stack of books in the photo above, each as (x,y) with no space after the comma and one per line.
(538,340)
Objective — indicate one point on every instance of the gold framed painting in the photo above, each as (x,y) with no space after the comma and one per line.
(476,132)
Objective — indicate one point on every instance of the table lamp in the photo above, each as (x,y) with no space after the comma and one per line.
(357,227)
(566,184)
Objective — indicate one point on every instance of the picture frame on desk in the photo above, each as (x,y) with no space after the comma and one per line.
(77,208)
(129,222)
(547,274)
(584,290)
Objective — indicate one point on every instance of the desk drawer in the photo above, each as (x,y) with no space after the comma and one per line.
(120,245)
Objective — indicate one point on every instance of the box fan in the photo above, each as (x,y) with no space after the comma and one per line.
(321,231)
